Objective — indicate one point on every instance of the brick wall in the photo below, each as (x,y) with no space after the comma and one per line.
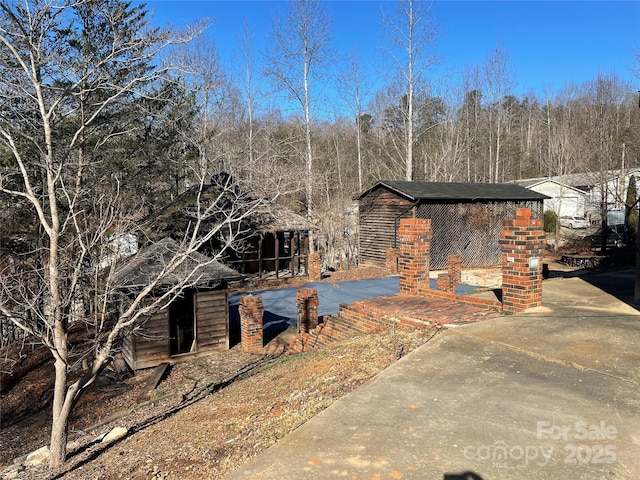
(414,239)
(391,261)
(522,242)
(447,282)
(356,319)
(307,303)
(251,311)
(314,267)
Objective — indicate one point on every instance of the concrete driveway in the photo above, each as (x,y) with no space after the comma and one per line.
(548,394)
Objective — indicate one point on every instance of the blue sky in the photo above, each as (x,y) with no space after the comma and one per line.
(549,43)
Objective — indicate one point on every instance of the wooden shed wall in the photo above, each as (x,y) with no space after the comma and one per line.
(455,224)
(379,212)
(129,350)
(150,346)
(212,324)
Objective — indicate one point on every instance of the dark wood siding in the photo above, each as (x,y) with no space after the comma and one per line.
(212,319)
(379,213)
(129,350)
(152,342)
(149,346)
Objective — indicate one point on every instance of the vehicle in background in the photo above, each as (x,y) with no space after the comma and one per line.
(574,222)
(615,237)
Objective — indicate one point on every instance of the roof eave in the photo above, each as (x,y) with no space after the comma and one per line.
(384,184)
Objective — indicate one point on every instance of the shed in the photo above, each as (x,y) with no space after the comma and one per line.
(466,218)
(268,237)
(276,240)
(195,322)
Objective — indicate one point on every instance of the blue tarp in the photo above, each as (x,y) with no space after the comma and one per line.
(280,304)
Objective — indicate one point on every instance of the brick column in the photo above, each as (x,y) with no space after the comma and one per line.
(391,261)
(251,312)
(522,242)
(315,267)
(447,282)
(454,267)
(307,303)
(414,240)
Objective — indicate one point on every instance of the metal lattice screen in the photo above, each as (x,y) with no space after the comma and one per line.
(470,229)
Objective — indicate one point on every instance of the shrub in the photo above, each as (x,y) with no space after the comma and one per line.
(550,221)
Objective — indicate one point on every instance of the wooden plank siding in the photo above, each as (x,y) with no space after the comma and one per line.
(379,214)
(129,350)
(212,319)
(151,343)
(150,347)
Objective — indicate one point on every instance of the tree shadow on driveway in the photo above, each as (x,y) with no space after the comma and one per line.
(619,283)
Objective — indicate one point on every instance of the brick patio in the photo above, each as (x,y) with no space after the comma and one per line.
(426,309)
(417,305)
(403,311)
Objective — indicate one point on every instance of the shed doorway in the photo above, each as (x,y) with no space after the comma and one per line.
(182,329)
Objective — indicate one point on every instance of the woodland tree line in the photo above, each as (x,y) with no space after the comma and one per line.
(104,119)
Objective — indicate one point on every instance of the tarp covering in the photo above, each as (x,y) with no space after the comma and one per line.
(280,304)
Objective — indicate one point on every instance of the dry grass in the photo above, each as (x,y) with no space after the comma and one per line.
(212,415)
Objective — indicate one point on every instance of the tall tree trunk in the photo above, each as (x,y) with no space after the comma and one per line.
(359,145)
(60,418)
(309,162)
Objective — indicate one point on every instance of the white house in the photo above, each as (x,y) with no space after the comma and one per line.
(585,194)
(565,199)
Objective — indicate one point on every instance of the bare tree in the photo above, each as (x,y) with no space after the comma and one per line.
(218,105)
(261,162)
(355,90)
(470,115)
(69,70)
(299,53)
(499,82)
(412,33)
(250,94)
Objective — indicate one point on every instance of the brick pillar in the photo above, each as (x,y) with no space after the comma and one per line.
(391,261)
(522,242)
(307,303)
(447,282)
(414,240)
(454,267)
(315,267)
(443,282)
(251,311)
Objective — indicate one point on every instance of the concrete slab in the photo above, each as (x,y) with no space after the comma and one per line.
(579,325)
(549,394)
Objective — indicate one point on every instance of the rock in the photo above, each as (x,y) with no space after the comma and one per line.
(38,457)
(115,434)
(73,445)
(12,472)
(10,475)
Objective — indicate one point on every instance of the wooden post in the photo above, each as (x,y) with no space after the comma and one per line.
(260,257)
(277,255)
(292,246)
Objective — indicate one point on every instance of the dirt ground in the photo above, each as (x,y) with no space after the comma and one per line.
(208,416)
